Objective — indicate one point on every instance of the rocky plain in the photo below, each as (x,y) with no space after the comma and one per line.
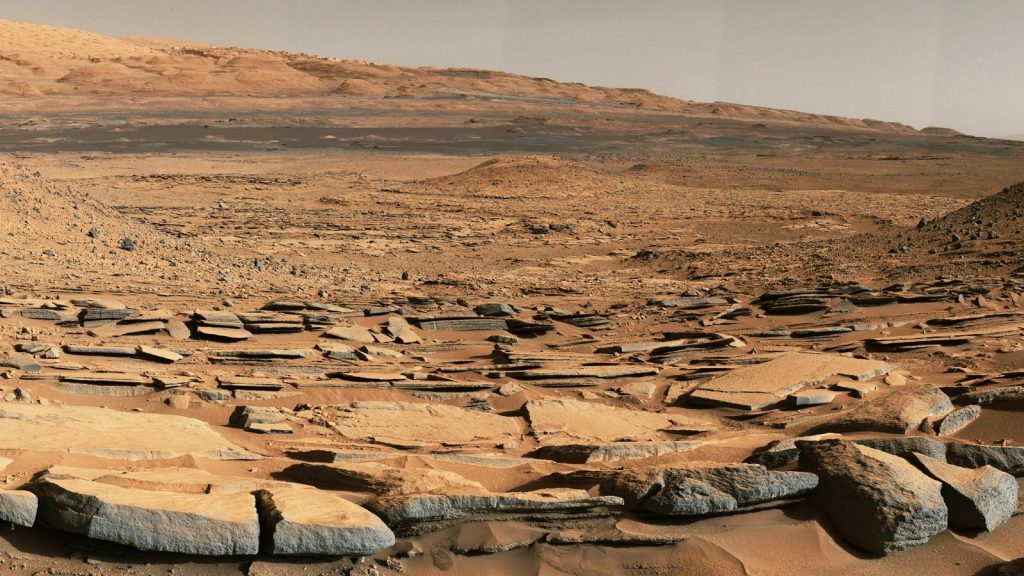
(270,314)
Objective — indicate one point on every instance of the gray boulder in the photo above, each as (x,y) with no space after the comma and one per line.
(697,488)
(980,498)
(1009,459)
(958,419)
(877,501)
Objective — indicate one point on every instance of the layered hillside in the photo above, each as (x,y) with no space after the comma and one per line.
(39,62)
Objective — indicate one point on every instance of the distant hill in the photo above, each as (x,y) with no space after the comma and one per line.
(45,62)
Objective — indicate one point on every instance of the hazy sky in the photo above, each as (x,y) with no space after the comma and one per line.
(956,63)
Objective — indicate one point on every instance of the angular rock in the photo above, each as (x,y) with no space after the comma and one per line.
(159,354)
(224,333)
(380,479)
(99,350)
(355,333)
(23,362)
(613,451)
(305,521)
(18,507)
(461,323)
(897,412)
(992,396)
(401,331)
(1009,459)
(813,397)
(980,498)
(768,383)
(958,419)
(696,488)
(494,309)
(877,501)
(207,524)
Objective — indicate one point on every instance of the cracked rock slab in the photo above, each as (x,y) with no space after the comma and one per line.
(306,521)
(205,524)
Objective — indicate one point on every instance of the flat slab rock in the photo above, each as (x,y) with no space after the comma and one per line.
(564,419)
(207,524)
(418,424)
(877,501)
(579,453)
(760,385)
(403,512)
(111,434)
(898,411)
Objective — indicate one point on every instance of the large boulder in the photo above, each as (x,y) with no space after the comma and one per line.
(899,411)
(980,498)
(877,501)
(306,521)
(210,524)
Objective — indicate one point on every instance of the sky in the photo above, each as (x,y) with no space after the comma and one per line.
(953,63)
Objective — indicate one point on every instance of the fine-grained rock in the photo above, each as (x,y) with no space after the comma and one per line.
(896,412)
(18,507)
(958,419)
(785,452)
(208,524)
(696,488)
(877,501)
(404,513)
(307,521)
(1009,459)
(979,498)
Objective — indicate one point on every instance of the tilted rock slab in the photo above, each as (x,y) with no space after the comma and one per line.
(208,524)
(697,488)
(877,501)
(980,498)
